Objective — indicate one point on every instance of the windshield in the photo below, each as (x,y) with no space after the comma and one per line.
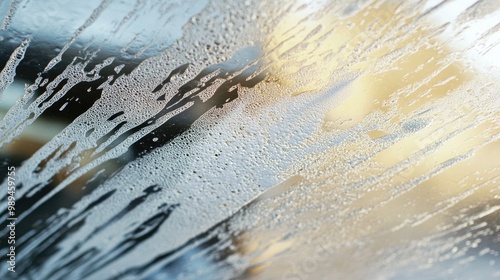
(250,139)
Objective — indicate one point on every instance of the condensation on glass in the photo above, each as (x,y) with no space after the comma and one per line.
(251,139)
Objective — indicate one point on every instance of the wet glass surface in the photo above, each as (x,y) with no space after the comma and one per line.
(250,139)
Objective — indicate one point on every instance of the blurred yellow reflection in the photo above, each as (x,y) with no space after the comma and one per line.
(444,150)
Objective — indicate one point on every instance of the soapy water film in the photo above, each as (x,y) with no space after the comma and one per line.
(252,139)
